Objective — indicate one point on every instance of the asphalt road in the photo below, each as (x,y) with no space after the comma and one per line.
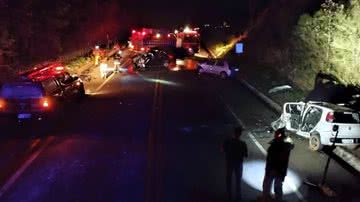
(155,137)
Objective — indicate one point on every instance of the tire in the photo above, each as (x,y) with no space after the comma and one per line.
(315,143)
(223,75)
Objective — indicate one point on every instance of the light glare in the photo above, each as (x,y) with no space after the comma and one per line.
(254,172)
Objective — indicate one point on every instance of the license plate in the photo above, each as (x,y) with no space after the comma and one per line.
(347,141)
(24,116)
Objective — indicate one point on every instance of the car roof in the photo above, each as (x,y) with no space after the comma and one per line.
(21,83)
(332,106)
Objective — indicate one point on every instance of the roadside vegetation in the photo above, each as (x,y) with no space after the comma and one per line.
(327,41)
(78,62)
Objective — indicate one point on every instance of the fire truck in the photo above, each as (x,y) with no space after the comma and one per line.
(145,39)
(188,39)
(43,71)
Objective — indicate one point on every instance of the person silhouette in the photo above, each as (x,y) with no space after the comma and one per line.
(235,151)
(277,161)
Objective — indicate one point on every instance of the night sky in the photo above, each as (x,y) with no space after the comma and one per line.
(168,13)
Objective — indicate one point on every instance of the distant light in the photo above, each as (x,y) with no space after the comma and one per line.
(60,68)
(176,69)
(133,31)
(187,29)
(180,62)
(176,31)
(142,49)
(168,35)
(143,33)
(97,47)
(158,36)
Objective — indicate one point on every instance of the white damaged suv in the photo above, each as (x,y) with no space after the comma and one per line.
(315,121)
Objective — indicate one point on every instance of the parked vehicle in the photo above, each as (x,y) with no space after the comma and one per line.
(25,100)
(217,67)
(315,121)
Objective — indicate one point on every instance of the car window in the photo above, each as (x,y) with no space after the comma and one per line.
(210,62)
(294,109)
(346,117)
(50,85)
(311,118)
(19,91)
(220,63)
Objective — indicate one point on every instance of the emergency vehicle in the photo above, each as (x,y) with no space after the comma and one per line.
(145,39)
(43,71)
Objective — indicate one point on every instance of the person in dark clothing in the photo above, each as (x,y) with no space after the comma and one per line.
(277,164)
(235,152)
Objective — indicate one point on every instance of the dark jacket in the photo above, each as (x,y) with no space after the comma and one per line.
(277,160)
(235,150)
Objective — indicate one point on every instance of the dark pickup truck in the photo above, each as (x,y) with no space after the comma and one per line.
(64,86)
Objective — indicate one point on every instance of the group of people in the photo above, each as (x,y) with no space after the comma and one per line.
(277,161)
(105,69)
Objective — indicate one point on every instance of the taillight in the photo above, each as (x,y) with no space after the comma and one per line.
(330,117)
(2,104)
(45,103)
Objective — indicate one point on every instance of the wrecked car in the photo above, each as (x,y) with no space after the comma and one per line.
(315,121)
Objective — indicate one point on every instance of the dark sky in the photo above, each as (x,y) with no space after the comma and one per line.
(170,12)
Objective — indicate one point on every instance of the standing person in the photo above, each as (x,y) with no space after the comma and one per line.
(235,152)
(103,69)
(277,164)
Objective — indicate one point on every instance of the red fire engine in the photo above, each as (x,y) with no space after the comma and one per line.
(144,39)
(43,71)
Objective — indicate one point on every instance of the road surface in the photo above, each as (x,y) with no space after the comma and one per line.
(154,137)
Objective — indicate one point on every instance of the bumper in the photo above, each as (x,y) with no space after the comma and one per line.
(26,115)
(345,141)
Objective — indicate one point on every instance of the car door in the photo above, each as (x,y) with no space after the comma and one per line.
(208,66)
(311,118)
(293,115)
(68,87)
(52,87)
(218,67)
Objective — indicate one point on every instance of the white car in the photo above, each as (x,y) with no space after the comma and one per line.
(315,121)
(217,67)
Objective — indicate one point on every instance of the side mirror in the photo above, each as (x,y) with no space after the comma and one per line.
(335,128)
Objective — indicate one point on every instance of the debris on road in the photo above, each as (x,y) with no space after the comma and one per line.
(279,89)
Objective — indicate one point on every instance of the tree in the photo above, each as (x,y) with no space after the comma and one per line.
(328,41)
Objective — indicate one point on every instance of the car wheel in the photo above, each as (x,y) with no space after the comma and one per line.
(315,142)
(223,75)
